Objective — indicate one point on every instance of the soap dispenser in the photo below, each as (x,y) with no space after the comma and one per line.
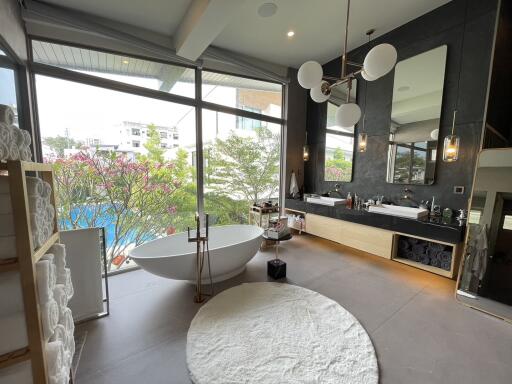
(349,201)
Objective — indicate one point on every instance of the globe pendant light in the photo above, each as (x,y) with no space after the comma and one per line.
(379,61)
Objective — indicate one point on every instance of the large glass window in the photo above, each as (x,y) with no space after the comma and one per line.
(239,92)
(136,189)
(240,166)
(128,163)
(134,71)
(8,90)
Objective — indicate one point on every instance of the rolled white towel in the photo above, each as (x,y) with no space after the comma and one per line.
(25,153)
(5,203)
(38,239)
(47,191)
(61,334)
(7,225)
(5,133)
(11,295)
(44,281)
(35,186)
(64,278)
(7,247)
(17,136)
(61,378)
(50,213)
(54,357)
(20,373)
(36,203)
(13,332)
(66,319)
(61,297)
(36,222)
(4,151)
(49,318)
(6,114)
(59,252)
(14,151)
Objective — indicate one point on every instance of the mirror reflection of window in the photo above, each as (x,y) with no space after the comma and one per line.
(339,142)
(414,128)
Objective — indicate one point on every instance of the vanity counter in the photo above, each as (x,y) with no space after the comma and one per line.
(449,231)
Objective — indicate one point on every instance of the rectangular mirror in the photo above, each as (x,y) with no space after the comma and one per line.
(339,142)
(485,278)
(416,111)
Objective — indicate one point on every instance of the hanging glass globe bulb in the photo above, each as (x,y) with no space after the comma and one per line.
(321,92)
(380,60)
(348,115)
(310,74)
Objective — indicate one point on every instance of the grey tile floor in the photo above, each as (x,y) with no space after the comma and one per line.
(421,334)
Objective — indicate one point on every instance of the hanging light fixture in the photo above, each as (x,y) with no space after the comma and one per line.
(362,138)
(451,144)
(379,61)
(305,149)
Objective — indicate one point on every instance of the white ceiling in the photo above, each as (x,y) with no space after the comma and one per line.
(318,24)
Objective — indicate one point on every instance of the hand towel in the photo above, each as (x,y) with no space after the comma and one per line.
(61,334)
(37,239)
(35,186)
(4,151)
(27,138)
(49,317)
(13,332)
(446,265)
(294,186)
(7,247)
(445,256)
(59,252)
(53,271)
(36,222)
(6,115)
(44,281)
(54,357)
(25,153)
(50,213)
(61,378)
(61,297)
(11,296)
(7,225)
(5,203)
(20,373)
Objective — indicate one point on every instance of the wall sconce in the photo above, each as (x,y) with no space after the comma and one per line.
(305,150)
(451,144)
(362,141)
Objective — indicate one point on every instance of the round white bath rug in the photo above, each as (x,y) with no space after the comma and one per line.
(278,333)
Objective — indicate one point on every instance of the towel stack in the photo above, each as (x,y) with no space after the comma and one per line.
(42,215)
(425,252)
(54,289)
(14,142)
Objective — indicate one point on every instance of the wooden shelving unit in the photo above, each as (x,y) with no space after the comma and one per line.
(26,257)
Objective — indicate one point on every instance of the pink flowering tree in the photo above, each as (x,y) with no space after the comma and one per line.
(135,200)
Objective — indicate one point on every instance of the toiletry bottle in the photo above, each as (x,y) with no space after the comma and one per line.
(349,201)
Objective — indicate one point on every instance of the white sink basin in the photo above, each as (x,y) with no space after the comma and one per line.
(396,210)
(331,201)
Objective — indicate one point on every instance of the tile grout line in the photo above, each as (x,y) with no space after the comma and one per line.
(398,309)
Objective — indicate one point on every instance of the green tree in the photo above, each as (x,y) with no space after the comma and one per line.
(337,168)
(154,145)
(59,143)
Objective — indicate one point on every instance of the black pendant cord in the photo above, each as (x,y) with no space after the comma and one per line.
(369,33)
(461,61)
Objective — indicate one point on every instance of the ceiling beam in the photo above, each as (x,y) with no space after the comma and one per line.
(203,22)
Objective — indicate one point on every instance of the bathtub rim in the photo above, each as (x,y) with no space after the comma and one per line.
(261,230)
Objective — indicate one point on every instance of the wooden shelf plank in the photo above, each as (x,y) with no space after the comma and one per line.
(41,251)
(429,268)
(30,166)
(8,265)
(14,357)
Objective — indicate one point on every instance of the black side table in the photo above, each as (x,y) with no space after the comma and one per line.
(276,268)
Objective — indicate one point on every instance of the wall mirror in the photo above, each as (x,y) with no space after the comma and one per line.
(485,278)
(416,111)
(339,142)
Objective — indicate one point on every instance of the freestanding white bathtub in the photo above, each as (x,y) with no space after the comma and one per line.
(173,257)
